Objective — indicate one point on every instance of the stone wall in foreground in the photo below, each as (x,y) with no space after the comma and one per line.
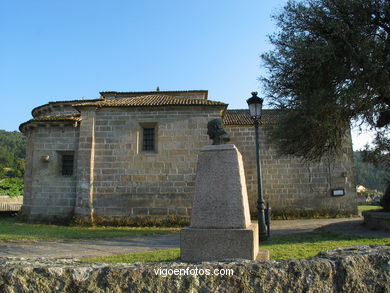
(354,269)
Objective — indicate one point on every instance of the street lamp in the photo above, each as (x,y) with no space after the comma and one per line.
(255,107)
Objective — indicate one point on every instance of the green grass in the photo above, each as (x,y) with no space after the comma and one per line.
(151,256)
(366,208)
(297,246)
(310,244)
(11,229)
(286,247)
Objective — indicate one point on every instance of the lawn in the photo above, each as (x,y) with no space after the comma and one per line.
(367,208)
(11,229)
(151,256)
(310,244)
(285,247)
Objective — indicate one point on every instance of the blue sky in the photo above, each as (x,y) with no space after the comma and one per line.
(72,49)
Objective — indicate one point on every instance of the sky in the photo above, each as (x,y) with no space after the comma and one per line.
(54,50)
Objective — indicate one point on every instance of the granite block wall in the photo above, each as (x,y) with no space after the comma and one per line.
(294,187)
(114,178)
(49,195)
(130,182)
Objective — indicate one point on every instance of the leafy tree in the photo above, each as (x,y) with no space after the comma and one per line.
(6,158)
(330,65)
(11,186)
(12,154)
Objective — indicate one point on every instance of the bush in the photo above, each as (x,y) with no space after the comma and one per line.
(11,186)
(135,221)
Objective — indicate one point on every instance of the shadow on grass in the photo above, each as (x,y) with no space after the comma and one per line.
(12,229)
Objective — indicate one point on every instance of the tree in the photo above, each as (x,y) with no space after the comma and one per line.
(330,65)
(12,154)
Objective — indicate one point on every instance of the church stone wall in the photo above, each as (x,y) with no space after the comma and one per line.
(129,182)
(113,178)
(48,194)
(291,186)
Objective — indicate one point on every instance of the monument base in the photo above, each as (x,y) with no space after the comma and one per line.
(202,244)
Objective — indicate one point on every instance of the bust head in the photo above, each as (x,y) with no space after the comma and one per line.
(216,132)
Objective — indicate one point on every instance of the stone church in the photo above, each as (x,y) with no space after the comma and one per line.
(133,155)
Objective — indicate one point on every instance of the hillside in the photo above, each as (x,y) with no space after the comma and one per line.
(12,161)
(12,154)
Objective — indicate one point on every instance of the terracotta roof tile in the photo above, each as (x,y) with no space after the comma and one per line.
(62,116)
(150,100)
(70,102)
(51,118)
(152,92)
(242,117)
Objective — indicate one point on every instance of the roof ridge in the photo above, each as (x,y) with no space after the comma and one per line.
(157,95)
(150,100)
(144,92)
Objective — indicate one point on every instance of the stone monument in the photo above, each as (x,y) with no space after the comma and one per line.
(220,223)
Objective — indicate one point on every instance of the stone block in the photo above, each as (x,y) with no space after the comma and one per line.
(158,211)
(220,222)
(220,199)
(177,211)
(220,244)
(139,211)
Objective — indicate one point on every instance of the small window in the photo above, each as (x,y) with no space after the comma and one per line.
(148,140)
(67,164)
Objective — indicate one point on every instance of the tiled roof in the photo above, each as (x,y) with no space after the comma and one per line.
(150,100)
(62,116)
(197,94)
(242,117)
(152,92)
(70,102)
(51,118)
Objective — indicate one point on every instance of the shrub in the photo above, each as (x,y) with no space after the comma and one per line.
(135,221)
(11,186)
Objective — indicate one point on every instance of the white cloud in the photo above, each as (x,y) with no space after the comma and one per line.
(361,137)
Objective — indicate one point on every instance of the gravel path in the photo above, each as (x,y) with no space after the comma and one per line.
(100,247)
(89,247)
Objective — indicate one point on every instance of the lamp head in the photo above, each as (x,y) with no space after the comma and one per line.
(255,105)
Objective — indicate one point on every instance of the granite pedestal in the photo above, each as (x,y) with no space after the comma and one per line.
(220,226)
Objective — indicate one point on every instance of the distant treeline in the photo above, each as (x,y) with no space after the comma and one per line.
(12,162)
(370,176)
(12,154)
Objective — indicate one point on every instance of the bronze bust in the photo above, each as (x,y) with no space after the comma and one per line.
(216,132)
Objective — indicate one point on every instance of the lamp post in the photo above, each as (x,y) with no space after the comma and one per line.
(255,107)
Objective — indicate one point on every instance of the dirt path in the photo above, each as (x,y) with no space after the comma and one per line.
(89,247)
(99,247)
